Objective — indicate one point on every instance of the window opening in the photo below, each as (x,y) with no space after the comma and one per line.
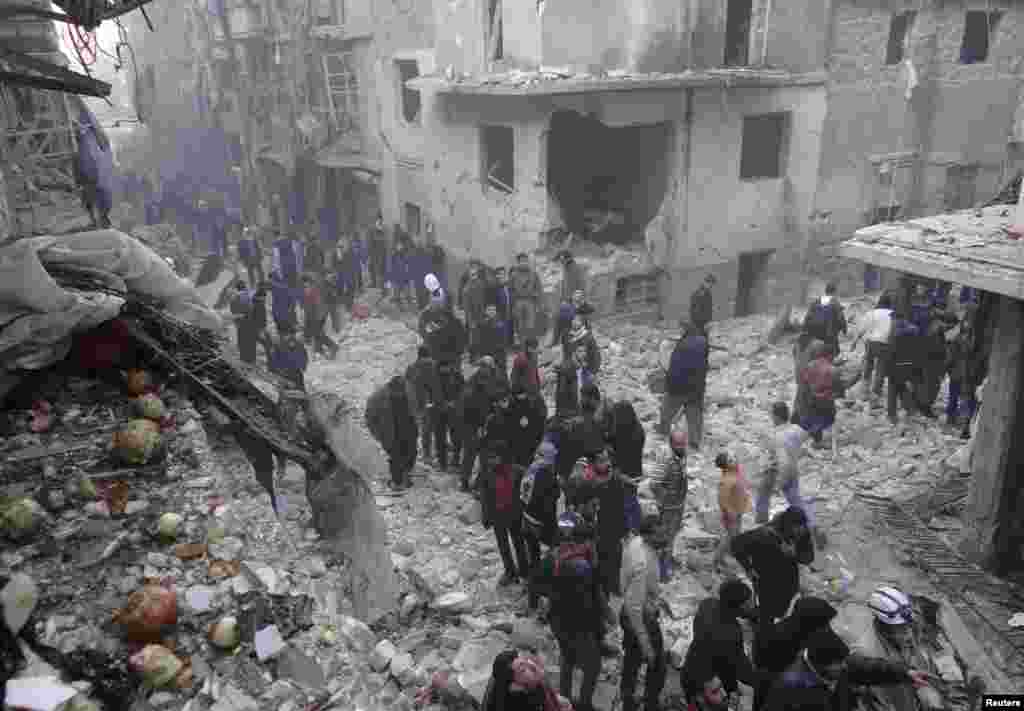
(961,186)
(411,100)
(342,89)
(979,27)
(635,293)
(887,208)
(495,30)
(737,32)
(328,12)
(761,155)
(413,219)
(899,30)
(498,167)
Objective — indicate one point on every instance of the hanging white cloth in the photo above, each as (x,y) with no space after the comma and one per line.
(911,77)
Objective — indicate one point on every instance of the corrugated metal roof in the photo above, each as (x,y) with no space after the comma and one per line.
(970,247)
(549,82)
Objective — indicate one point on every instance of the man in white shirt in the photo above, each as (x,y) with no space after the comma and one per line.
(642,640)
(784,447)
(875,331)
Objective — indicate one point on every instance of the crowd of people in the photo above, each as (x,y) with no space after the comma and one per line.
(576,518)
(578,521)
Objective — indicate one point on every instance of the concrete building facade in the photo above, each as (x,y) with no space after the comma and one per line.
(853,147)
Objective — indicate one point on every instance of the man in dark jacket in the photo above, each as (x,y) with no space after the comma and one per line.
(827,676)
(606,494)
(251,255)
(377,249)
(778,646)
(473,410)
(826,319)
(718,638)
(905,359)
(625,435)
(685,383)
(502,299)
(701,305)
(572,376)
(288,260)
(491,340)
(539,493)
(445,425)
(527,413)
(290,359)
(578,608)
(474,303)
(583,435)
(391,422)
(503,510)
(422,375)
(443,333)
(241,313)
(526,295)
(771,554)
(284,303)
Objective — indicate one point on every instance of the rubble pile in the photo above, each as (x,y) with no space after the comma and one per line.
(263,613)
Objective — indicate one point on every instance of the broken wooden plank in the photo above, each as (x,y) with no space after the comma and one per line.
(30,454)
(971,651)
(151,469)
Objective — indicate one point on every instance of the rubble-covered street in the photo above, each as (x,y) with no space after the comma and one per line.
(231,558)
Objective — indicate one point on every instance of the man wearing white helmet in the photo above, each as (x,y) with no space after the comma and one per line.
(433,287)
(896,629)
(642,641)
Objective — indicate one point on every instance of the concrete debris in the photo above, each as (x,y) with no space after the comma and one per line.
(269,643)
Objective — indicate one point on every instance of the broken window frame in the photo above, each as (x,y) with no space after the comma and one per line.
(494,30)
(489,166)
(741,57)
(898,45)
(343,97)
(752,173)
(890,191)
(410,100)
(413,216)
(637,292)
(336,13)
(974,32)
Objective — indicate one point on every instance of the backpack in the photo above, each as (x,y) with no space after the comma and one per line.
(504,487)
(818,322)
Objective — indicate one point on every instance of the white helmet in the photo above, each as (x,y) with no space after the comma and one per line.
(891,606)
(431,282)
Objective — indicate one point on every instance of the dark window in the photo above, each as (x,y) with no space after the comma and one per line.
(413,218)
(409,69)
(886,213)
(761,155)
(961,183)
(495,30)
(636,293)
(498,164)
(737,33)
(899,28)
(979,26)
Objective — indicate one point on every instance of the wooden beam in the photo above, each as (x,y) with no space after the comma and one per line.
(971,651)
(992,278)
(990,473)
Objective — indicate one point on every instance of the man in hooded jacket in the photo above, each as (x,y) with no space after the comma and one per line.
(827,677)
(717,635)
(685,384)
(390,420)
(772,554)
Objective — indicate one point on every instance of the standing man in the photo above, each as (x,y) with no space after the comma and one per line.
(503,300)
(826,319)
(437,260)
(251,255)
(525,373)
(701,305)
(474,302)
(391,422)
(670,488)
(241,313)
(572,277)
(642,640)
(875,331)
(377,252)
(422,375)
(526,294)
(686,382)
(288,260)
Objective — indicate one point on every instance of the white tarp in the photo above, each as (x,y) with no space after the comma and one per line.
(38,317)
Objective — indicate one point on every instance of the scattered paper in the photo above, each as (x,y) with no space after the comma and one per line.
(38,694)
(269,643)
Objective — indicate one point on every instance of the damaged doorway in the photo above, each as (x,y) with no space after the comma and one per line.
(748,280)
(608,182)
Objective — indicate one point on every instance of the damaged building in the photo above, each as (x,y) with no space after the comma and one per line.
(744,138)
